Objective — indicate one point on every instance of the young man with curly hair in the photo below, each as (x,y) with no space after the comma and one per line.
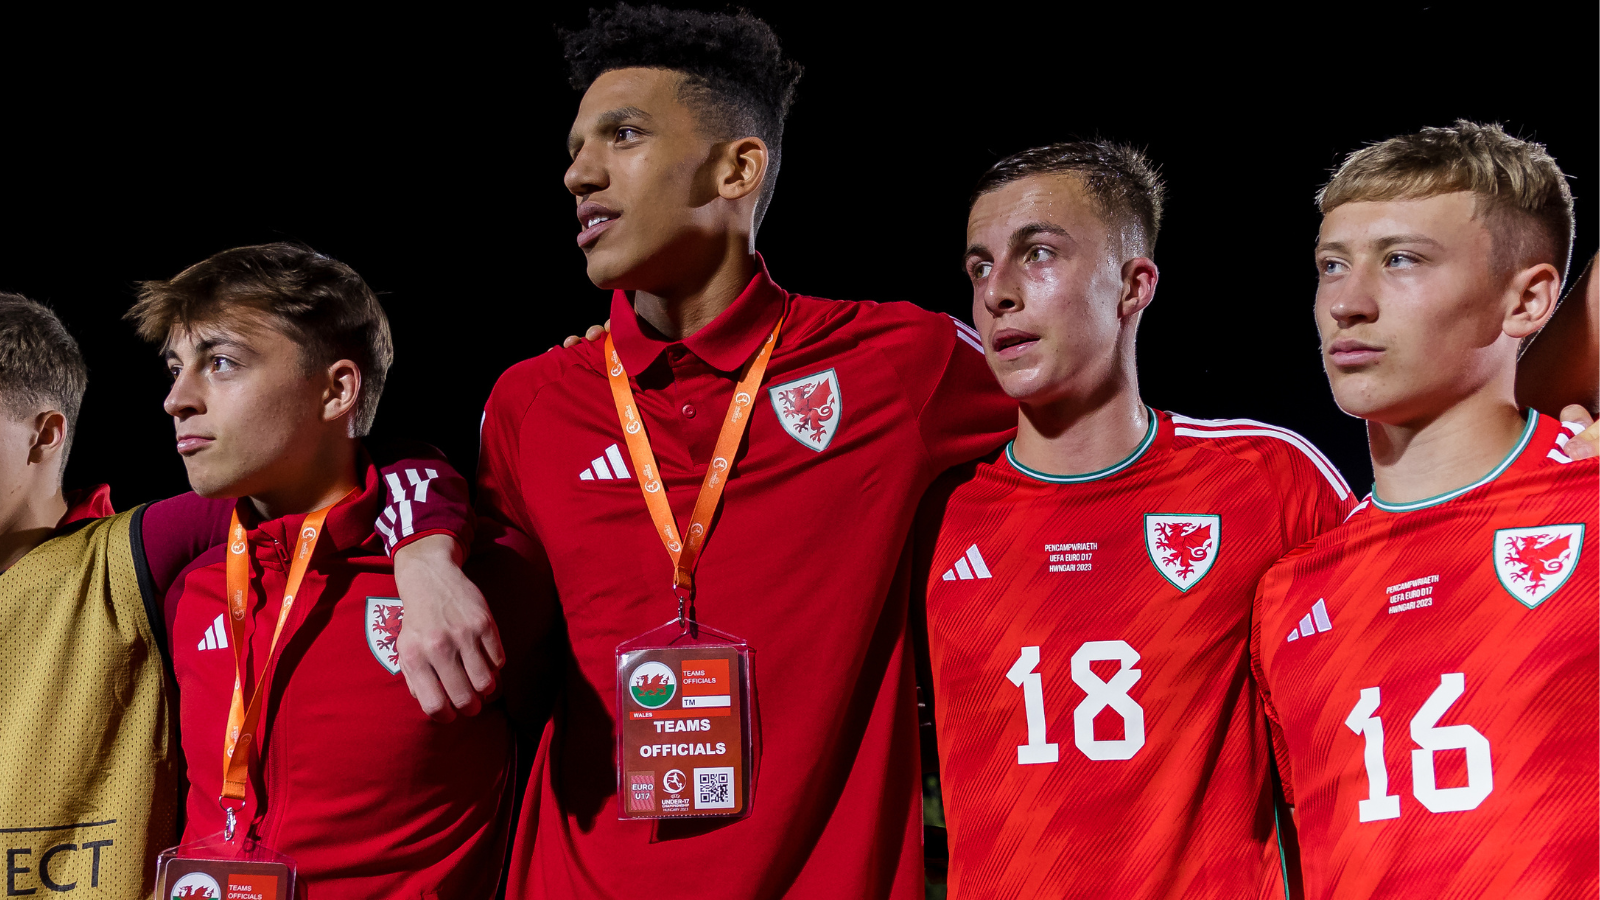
(675,151)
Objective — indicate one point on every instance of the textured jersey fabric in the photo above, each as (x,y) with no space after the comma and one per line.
(862,406)
(88,767)
(365,792)
(1430,672)
(1099,734)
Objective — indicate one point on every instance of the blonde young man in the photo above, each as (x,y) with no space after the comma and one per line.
(1429,667)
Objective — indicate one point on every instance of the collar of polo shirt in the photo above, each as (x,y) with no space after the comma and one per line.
(725,344)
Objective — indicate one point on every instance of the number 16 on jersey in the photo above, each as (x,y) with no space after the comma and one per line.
(1099,695)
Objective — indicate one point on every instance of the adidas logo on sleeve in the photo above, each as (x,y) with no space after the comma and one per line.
(964,572)
(1313,622)
(598,468)
(216,636)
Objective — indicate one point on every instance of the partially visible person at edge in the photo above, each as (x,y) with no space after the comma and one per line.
(278,357)
(89,769)
(675,147)
(1100,569)
(1430,666)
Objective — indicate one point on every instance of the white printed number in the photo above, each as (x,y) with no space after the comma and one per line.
(1099,695)
(1430,739)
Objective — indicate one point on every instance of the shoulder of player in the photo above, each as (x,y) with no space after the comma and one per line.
(871,322)
(1279,453)
(1320,550)
(1556,474)
(520,385)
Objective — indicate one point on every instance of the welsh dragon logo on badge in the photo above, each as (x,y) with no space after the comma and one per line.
(384,615)
(652,685)
(1534,563)
(809,408)
(1182,548)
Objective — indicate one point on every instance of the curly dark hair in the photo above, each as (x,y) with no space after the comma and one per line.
(736,78)
(1124,185)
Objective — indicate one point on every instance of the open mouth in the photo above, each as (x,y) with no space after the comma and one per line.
(594,220)
(1011,342)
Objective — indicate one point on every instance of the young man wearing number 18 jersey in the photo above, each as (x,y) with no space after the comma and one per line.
(1099,734)
(1430,665)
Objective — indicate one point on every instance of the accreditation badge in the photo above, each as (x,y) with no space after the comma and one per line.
(219,870)
(684,746)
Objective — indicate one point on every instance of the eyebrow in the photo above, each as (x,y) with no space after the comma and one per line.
(1020,236)
(608,120)
(1383,243)
(207,346)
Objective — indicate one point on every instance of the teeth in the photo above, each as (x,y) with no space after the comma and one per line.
(597,220)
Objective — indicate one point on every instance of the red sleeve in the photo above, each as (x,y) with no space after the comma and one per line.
(966,414)
(177,530)
(426,495)
(514,574)
(1280,749)
(500,495)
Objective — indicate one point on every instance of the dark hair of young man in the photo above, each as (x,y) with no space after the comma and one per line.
(319,302)
(1124,186)
(40,365)
(736,78)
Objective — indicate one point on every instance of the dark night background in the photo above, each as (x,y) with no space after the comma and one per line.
(427,152)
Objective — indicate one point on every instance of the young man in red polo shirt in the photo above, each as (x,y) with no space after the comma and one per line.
(1430,666)
(298,731)
(675,148)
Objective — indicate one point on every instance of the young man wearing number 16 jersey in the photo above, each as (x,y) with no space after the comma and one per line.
(1430,665)
(1099,735)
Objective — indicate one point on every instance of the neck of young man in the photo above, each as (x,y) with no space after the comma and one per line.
(322,479)
(32,520)
(699,293)
(1084,431)
(1446,450)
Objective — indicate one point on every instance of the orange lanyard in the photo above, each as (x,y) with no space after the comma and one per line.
(686,554)
(243,720)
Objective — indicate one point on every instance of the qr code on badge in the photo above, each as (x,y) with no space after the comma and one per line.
(713,788)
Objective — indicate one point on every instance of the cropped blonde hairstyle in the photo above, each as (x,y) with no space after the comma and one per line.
(1523,198)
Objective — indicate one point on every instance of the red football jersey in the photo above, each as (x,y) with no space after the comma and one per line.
(1430,672)
(1099,733)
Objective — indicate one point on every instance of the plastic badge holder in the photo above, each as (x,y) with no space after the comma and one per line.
(684,744)
(216,870)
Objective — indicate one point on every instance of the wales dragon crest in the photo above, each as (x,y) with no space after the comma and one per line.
(1534,563)
(810,408)
(1182,547)
(384,617)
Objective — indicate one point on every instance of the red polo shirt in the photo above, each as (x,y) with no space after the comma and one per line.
(862,406)
(365,792)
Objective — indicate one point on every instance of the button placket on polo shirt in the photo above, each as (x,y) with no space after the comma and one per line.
(696,389)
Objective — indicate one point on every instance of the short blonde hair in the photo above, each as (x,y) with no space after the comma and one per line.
(1523,196)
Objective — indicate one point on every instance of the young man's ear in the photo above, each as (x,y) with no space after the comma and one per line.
(744,166)
(49,437)
(1533,293)
(1139,277)
(342,390)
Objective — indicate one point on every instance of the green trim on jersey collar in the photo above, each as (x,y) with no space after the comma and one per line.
(1130,459)
(1496,472)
